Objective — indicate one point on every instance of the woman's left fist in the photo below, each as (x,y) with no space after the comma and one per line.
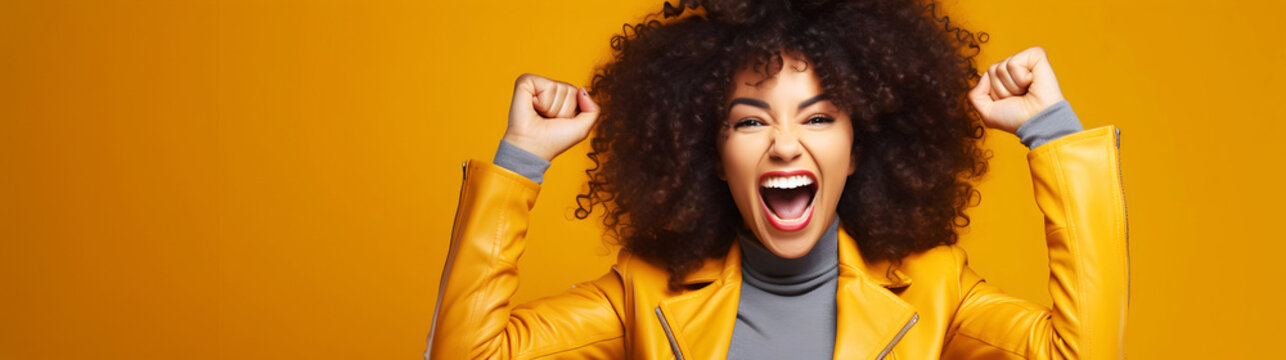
(1015,89)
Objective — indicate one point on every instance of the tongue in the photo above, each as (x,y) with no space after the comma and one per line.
(787,204)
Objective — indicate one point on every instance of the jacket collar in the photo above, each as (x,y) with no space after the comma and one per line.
(870,317)
(881,273)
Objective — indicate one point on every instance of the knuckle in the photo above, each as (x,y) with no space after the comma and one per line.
(525,77)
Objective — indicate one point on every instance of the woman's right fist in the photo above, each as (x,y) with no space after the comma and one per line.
(548,117)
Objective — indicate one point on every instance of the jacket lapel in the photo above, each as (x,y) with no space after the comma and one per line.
(870,318)
(702,320)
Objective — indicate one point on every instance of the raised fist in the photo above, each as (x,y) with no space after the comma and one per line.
(1015,89)
(547,117)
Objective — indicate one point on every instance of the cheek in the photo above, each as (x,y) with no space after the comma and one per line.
(739,155)
(833,152)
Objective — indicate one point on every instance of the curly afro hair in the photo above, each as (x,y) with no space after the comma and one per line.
(901,73)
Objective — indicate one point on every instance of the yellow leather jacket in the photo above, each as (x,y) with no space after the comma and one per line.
(932,306)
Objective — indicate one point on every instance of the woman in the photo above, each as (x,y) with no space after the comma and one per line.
(786,179)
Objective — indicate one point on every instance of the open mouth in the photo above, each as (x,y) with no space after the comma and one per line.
(787,197)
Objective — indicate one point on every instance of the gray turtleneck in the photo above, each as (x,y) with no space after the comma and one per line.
(787,306)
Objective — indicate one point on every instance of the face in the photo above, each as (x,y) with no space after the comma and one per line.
(786,154)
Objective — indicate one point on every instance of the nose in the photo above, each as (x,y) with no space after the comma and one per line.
(785,146)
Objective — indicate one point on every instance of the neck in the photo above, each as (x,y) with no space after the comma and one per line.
(762,266)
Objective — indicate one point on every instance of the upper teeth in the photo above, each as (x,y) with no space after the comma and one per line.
(786,182)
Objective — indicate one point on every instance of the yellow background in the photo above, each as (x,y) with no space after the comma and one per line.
(276,179)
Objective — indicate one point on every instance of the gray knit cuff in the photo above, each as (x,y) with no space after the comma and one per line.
(520,161)
(1048,125)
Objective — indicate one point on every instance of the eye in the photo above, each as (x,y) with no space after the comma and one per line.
(819,119)
(747,122)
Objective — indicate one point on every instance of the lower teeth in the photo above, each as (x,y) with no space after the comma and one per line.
(787,204)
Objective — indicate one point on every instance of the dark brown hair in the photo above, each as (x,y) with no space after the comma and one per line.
(899,71)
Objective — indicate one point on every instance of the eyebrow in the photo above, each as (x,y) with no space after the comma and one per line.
(763,105)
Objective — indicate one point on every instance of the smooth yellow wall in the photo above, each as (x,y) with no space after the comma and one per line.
(276,179)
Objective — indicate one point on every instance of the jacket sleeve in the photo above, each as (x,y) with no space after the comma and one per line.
(474,318)
(1078,188)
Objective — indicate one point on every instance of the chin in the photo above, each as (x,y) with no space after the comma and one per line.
(791,244)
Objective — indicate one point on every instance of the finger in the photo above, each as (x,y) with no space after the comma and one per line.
(557,95)
(1002,72)
(998,91)
(570,98)
(1020,74)
(1043,81)
(524,95)
(980,96)
(541,94)
(1031,57)
(588,108)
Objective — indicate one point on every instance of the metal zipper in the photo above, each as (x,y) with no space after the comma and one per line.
(446,270)
(1125,212)
(888,349)
(1124,206)
(665,325)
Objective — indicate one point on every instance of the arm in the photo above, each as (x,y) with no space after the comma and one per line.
(1078,188)
(473,319)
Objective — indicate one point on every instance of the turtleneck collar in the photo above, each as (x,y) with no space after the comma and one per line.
(765,270)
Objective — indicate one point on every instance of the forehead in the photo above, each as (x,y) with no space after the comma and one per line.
(795,81)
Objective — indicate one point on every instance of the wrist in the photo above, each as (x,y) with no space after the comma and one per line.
(521,161)
(529,145)
(1051,123)
(1040,105)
